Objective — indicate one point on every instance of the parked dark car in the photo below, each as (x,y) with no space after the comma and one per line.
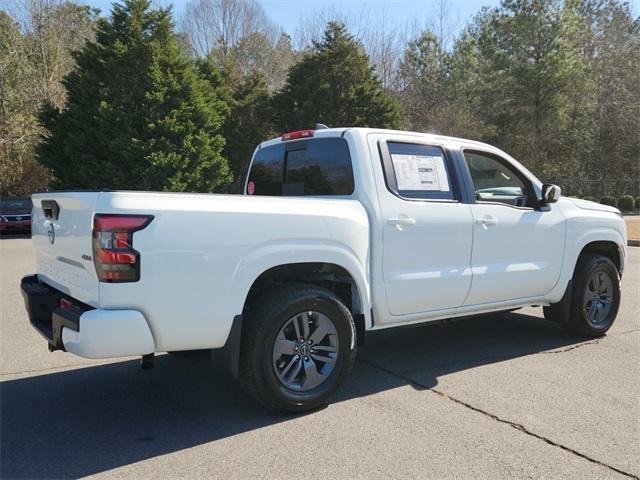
(15,214)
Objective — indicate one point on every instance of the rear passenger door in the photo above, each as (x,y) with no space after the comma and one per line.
(426,229)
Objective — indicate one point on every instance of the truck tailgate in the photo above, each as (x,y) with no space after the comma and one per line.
(62,224)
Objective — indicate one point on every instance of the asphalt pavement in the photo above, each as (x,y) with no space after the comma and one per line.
(502,396)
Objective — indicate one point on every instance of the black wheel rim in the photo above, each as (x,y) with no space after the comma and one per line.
(305,351)
(598,298)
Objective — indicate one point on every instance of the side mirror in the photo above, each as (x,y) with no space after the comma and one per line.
(550,193)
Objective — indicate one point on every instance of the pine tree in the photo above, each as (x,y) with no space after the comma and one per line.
(335,85)
(140,114)
(528,68)
(422,81)
(248,124)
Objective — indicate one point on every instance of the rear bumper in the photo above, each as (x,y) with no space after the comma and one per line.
(83,330)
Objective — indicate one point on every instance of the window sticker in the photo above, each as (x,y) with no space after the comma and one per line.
(420,172)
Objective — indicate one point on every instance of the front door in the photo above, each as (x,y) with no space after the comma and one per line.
(517,249)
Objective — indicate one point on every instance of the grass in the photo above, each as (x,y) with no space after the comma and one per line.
(633,228)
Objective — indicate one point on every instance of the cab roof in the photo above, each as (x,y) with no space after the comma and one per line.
(341,131)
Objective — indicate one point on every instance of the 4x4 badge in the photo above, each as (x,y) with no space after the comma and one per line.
(52,234)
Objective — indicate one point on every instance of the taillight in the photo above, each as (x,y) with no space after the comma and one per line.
(297,134)
(113,253)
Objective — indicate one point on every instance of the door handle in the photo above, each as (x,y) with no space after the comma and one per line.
(401,221)
(487,221)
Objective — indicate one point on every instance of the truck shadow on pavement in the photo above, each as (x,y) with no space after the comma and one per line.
(80,422)
(14,235)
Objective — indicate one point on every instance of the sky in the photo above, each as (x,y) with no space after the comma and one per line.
(288,13)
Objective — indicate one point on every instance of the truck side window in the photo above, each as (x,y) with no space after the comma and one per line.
(315,167)
(496,181)
(418,171)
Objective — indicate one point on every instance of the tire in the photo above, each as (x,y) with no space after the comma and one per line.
(591,308)
(270,371)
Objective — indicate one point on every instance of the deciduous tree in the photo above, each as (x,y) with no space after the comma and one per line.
(35,54)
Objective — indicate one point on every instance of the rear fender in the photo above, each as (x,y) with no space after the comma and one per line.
(270,256)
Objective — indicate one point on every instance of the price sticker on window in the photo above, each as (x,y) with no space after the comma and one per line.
(420,172)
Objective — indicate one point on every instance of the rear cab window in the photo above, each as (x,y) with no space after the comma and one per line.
(313,167)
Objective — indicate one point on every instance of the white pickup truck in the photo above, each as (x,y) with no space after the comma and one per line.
(340,231)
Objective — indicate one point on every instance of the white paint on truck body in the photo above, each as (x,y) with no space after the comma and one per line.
(201,253)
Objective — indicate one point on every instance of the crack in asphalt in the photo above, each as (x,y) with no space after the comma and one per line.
(515,425)
(488,358)
(460,362)
(572,347)
(635,330)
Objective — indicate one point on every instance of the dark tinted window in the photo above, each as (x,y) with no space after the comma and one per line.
(7,204)
(312,167)
(266,170)
(418,171)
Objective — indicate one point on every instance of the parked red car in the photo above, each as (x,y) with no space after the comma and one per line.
(15,214)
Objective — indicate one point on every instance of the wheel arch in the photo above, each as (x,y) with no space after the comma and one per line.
(607,248)
(606,241)
(309,263)
(332,276)
(339,271)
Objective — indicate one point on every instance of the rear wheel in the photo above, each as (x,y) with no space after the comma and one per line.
(594,299)
(298,346)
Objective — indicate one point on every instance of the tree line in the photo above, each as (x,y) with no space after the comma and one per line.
(133,101)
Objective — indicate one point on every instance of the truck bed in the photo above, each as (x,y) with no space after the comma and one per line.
(198,257)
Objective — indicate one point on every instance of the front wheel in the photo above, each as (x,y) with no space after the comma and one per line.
(595,297)
(298,346)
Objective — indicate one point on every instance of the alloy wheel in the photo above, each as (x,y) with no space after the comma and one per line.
(305,351)
(598,298)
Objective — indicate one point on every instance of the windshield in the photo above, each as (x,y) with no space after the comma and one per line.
(15,204)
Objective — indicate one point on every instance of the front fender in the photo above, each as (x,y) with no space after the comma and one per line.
(576,243)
